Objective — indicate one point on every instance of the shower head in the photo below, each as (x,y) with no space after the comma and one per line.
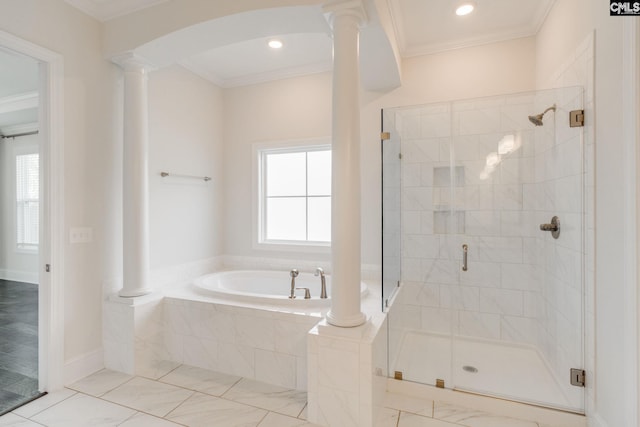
(537,119)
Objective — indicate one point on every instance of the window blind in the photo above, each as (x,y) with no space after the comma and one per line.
(27,201)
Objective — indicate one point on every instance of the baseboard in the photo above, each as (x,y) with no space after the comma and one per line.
(83,365)
(19,276)
(596,421)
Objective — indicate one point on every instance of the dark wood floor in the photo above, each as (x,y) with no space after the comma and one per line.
(18,343)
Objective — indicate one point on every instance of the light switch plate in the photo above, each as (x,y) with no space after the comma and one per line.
(81,235)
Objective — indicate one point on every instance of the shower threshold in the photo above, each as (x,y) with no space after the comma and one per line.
(503,370)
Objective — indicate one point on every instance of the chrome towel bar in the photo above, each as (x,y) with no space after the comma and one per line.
(204,178)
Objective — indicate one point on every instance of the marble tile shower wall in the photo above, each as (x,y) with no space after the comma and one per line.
(522,286)
(578,70)
(484,201)
(559,191)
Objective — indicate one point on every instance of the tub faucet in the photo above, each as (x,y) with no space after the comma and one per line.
(323,282)
(293,273)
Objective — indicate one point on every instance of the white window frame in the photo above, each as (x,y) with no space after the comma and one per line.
(21,149)
(259,205)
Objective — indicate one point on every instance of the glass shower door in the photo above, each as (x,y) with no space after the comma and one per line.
(478,179)
(521,299)
(391,221)
(420,337)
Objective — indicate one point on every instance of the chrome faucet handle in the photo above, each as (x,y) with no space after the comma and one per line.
(323,283)
(307,294)
(293,273)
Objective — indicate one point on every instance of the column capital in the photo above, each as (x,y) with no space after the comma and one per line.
(334,8)
(131,61)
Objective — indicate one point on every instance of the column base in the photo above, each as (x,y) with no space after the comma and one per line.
(134,293)
(348,321)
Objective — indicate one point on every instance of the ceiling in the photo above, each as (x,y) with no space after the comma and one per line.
(240,56)
(428,26)
(421,27)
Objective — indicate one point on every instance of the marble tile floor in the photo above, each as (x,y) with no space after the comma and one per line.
(18,343)
(189,396)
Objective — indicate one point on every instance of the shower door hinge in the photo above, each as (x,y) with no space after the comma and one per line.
(576,118)
(385,136)
(577,377)
(47,268)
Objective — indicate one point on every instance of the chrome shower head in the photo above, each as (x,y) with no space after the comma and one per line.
(537,119)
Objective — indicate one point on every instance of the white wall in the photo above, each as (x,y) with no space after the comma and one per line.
(185,137)
(92,183)
(298,108)
(301,108)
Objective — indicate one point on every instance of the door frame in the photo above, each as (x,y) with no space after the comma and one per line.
(51,267)
(631,212)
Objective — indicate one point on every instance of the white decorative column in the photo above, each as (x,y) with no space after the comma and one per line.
(135,178)
(345,18)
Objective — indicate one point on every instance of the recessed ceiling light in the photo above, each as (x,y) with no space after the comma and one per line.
(275,44)
(465,8)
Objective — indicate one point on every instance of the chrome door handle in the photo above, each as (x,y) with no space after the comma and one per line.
(553,227)
(465,250)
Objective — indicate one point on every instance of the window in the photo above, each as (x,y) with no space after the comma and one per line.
(27,201)
(295,195)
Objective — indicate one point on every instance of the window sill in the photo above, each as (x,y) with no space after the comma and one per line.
(286,246)
(26,251)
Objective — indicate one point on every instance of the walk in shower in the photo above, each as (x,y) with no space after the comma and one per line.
(484,291)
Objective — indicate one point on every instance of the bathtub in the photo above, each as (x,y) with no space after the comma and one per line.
(266,287)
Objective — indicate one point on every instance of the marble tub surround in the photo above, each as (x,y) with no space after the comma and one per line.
(133,336)
(260,342)
(347,372)
(256,343)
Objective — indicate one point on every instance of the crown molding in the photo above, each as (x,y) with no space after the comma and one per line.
(18,129)
(106,10)
(24,101)
(251,79)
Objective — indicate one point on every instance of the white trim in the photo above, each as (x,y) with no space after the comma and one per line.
(408,51)
(23,128)
(630,110)
(596,421)
(83,366)
(257,207)
(19,276)
(252,79)
(106,10)
(51,113)
(23,148)
(20,102)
